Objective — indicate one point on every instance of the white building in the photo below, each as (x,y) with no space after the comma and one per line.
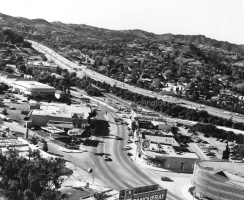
(32,88)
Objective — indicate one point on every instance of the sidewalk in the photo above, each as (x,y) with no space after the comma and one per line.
(82,184)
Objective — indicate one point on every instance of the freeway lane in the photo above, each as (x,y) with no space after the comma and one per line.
(64,63)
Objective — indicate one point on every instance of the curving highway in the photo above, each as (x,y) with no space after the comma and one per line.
(72,67)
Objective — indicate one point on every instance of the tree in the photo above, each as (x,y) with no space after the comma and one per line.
(29,71)
(168,74)
(22,68)
(45,147)
(72,74)
(22,179)
(9,70)
(34,140)
(226,153)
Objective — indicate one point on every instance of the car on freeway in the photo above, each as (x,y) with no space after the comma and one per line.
(118,138)
(105,157)
(227,113)
(12,108)
(127,147)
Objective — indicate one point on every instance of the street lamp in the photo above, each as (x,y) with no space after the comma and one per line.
(92,170)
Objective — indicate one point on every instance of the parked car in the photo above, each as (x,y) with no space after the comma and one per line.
(129,141)
(165,178)
(130,134)
(12,108)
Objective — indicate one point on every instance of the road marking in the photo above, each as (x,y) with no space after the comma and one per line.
(151,172)
(106,117)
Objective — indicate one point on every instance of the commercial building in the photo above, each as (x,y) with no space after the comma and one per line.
(60,114)
(41,65)
(163,152)
(32,88)
(158,147)
(219,180)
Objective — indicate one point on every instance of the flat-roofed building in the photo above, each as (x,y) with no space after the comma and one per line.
(219,180)
(160,149)
(60,113)
(41,65)
(33,88)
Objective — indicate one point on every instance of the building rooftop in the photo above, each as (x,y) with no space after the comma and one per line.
(63,110)
(33,85)
(156,132)
(43,63)
(233,171)
(156,150)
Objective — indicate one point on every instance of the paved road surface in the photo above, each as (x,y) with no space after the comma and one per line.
(65,63)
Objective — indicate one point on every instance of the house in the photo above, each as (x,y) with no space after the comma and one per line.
(59,94)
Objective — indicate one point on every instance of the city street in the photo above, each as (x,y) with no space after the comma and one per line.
(118,173)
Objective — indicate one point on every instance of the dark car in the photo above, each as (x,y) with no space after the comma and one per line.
(165,178)
(118,138)
(129,154)
(130,134)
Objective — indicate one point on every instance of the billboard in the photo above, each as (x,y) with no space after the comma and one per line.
(150,192)
(75,132)
(150,195)
(153,195)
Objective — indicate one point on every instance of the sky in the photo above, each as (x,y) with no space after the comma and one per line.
(218,19)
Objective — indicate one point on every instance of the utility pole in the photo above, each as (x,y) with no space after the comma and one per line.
(94,167)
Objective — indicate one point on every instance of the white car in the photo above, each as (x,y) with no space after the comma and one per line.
(105,157)
(127,147)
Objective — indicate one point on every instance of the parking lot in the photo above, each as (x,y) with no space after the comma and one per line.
(14,107)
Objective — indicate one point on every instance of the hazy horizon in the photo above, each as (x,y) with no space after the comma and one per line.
(222,20)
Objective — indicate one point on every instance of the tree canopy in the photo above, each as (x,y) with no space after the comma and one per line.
(38,179)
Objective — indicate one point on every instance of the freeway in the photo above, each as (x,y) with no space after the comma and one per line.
(70,66)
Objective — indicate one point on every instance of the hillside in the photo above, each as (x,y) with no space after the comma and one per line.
(80,32)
